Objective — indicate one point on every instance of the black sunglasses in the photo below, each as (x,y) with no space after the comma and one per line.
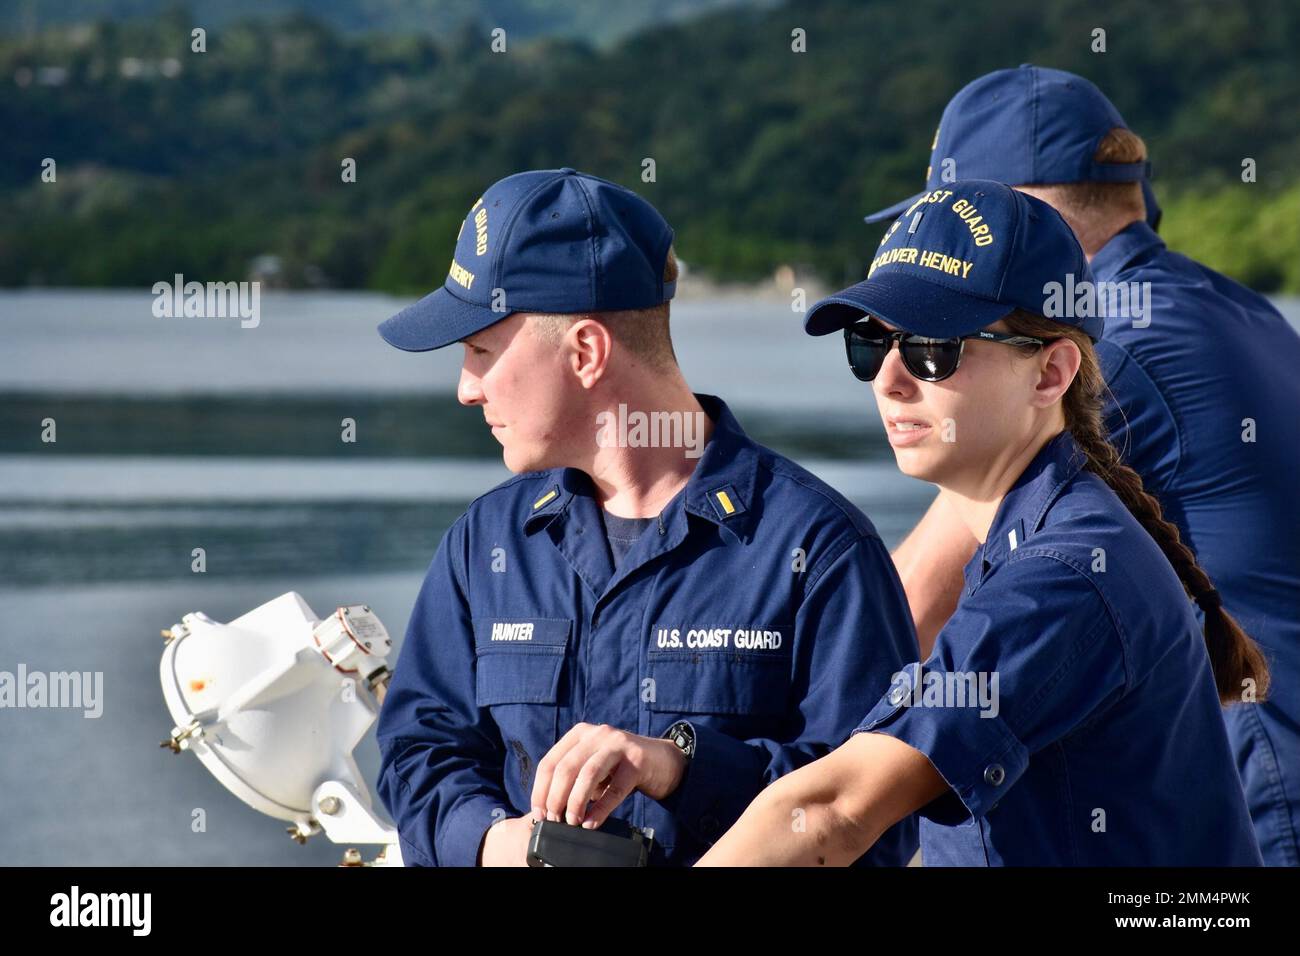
(931,360)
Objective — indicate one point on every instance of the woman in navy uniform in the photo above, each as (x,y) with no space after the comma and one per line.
(1069,711)
(1201,398)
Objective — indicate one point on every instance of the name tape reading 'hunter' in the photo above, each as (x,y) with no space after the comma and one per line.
(508,631)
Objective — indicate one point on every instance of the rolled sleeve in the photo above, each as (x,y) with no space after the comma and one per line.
(1040,636)
(977,756)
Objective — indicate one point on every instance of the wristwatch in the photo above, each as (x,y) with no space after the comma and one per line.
(682,735)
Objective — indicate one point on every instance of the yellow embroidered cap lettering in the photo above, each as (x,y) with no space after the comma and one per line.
(460,275)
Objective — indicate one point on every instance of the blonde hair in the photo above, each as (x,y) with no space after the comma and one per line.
(643,332)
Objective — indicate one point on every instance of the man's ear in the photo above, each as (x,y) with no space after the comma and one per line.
(1058,363)
(589,345)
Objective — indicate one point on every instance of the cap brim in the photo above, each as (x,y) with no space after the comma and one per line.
(437,320)
(908,303)
(894,211)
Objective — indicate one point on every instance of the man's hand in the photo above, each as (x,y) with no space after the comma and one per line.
(604,765)
(506,843)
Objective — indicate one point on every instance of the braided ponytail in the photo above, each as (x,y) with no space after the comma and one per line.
(1234,657)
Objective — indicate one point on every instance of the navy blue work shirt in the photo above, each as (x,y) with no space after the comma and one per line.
(1069,702)
(764,611)
(1208,413)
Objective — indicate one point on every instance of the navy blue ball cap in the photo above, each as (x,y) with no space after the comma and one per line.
(960,258)
(1026,126)
(552,240)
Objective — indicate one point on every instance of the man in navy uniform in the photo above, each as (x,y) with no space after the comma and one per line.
(1204,399)
(656,617)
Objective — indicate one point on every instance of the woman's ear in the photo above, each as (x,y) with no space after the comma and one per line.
(589,345)
(1058,363)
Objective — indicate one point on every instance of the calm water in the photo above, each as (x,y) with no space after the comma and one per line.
(181,433)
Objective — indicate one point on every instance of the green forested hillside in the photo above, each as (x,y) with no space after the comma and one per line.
(183,162)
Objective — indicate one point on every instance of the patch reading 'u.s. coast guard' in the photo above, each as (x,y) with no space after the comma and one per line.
(749,638)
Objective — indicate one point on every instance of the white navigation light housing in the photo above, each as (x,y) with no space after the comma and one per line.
(275,702)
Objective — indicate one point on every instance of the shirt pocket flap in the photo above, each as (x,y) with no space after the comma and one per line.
(712,682)
(519,659)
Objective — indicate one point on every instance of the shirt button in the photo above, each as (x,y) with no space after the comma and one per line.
(709,826)
(994,774)
(897,695)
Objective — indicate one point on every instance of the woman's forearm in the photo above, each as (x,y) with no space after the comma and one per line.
(831,811)
(794,821)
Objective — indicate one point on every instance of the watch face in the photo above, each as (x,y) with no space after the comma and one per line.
(683,738)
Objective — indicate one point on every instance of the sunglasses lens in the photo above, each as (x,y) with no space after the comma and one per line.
(866,354)
(931,359)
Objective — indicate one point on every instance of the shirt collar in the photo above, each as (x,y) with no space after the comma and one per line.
(1126,245)
(1023,508)
(721,489)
